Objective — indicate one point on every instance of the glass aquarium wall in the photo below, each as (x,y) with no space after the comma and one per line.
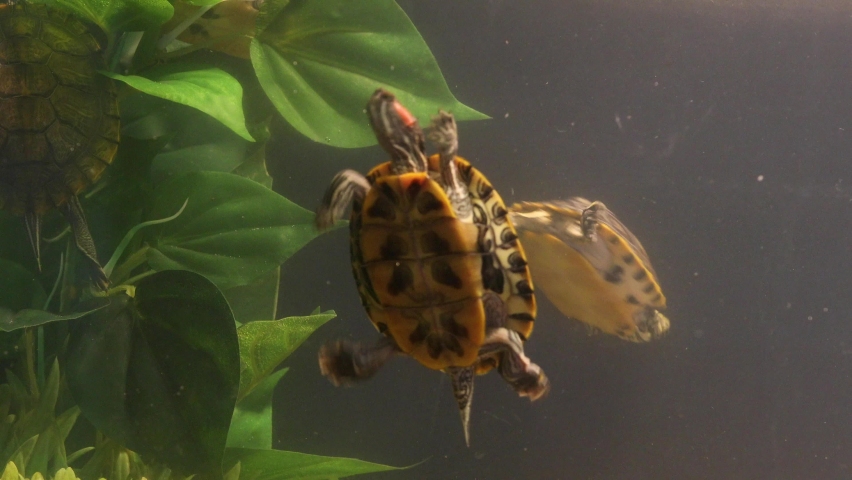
(665,275)
(719,133)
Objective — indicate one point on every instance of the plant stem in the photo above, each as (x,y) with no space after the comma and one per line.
(40,352)
(133,280)
(31,376)
(136,259)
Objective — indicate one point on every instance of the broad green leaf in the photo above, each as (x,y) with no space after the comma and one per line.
(265,344)
(210,90)
(115,16)
(66,421)
(43,450)
(254,165)
(203,3)
(189,140)
(160,372)
(10,321)
(319,61)
(122,192)
(14,245)
(256,464)
(257,300)
(19,289)
(251,426)
(233,230)
(21,456)
(43,415)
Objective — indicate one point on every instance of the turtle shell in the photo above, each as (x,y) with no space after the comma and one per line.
(607,281)
(59,123)
(421,272)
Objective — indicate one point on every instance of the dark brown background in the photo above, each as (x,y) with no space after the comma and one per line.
(753,380)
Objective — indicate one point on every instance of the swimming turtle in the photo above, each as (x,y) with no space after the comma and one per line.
(591,267)
(59,123)
(438,265)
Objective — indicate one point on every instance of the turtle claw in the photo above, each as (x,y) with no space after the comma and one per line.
(73,212)
(589,220)
(445,135)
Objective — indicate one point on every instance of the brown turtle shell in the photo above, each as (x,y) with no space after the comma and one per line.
(421,272)
(59,122)
(606,282)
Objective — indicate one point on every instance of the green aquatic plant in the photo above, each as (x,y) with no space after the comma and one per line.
(12,472)
(169,373)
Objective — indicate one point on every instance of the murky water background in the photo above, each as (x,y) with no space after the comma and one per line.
(721,134)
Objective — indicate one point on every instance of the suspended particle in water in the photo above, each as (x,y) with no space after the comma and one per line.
(760,178)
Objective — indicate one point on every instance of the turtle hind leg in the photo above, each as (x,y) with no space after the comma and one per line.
(73,212)
(462,380)
(504,347)
(345,363)
(348,185)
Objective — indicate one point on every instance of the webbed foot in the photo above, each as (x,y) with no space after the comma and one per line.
(346,186)
(505,348)
(345,363)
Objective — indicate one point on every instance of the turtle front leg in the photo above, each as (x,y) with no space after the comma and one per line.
(345,362)
(589,220)
(346,186)
(445,136)
(73,212)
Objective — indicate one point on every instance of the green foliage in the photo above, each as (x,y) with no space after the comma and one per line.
(176,365)
(265,344)
(19,288)
(31,435)
(261,464)
(11,321)
(233,230)
(210,90)
(114,16)
(319,60)
(174,346)
(12,472)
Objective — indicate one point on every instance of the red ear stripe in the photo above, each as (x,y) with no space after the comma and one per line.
(407,118)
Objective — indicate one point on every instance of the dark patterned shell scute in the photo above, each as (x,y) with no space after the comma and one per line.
(59,123)
(422,273)
(505,271)
(417,267)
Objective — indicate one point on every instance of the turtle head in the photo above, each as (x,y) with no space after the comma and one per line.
(398,133)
